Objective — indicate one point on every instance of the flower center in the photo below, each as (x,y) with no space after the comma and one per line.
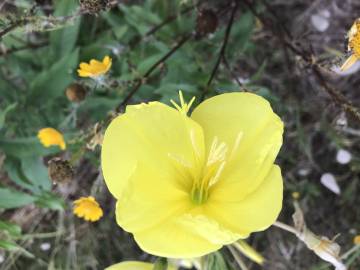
(210,172)
(183,107)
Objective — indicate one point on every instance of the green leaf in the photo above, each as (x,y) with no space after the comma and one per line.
(36,172)
(51,201)
(7,245)
(148,62)
(215,261)
(13,168)
(25,147)
(11,228)
(5,112)
(10,198)
(52,82)
(240,35)
(161,264)
(63,40)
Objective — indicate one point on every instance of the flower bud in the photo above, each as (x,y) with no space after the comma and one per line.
(93,6)
(75,92)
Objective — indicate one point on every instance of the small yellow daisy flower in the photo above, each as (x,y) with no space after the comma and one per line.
(88,208)
(357,240)
(353,45)
(50,136)
(95,68)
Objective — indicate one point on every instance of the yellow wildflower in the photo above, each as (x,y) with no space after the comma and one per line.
(50,136)
(186,186)
(353,45)
(95,68)
(88,209)
(357,240)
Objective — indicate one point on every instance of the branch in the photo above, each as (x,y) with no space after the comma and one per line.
(222,51)
(25,47)
(171,18)
(140,81)
(137,39)
(284,36)
(12,26)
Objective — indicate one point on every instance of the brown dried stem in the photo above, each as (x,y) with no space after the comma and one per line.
(283,34)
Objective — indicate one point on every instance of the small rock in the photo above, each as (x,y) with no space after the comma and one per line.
(343,156)
(329,181)
(45,246)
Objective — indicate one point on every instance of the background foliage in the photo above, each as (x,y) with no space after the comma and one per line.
(41,45)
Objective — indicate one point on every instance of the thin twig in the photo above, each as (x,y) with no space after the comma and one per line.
(143,79)
(28,46)
(227,66)
(284,36)
(237,257)
(12,26)
(285,227)
(222,51)
(170,19)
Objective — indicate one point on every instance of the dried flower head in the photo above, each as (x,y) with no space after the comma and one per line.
(60,171)
(326,249)
(187,185)
(93,6)
(95,68)
(50,136)
(88,208)
(206,22)
(75,92)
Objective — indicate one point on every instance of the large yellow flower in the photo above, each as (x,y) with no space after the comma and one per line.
(131,265)
(186,186)
(135,265)
(95,68)
(353,45)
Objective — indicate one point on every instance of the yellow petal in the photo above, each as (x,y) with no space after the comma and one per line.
(257,211)
(131,265)
(173,240)
(85,66)
(83,73)
(252,132)
(143,167)
(352,59)
(51,136)
(134,265)
(106,61)
(196,221)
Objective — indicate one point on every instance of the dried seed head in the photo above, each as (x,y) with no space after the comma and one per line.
(93,6)
(60,171)
(75,92)
(206,22)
